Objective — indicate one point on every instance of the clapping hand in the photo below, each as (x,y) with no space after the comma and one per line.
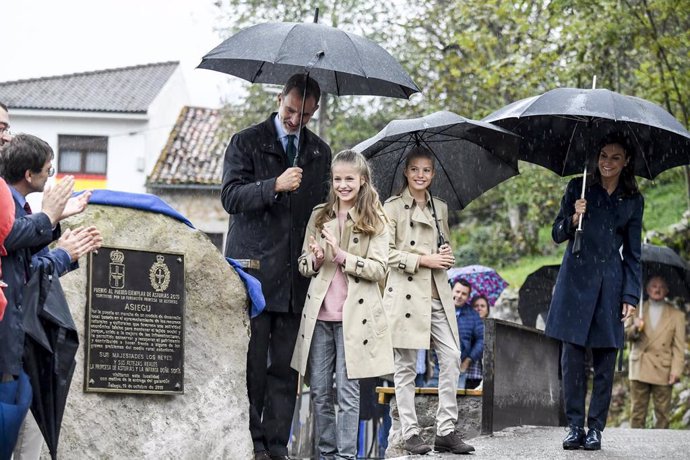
(331,243)
(315,248)
(76,204)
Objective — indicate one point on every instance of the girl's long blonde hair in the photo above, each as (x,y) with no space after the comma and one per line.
(368,206)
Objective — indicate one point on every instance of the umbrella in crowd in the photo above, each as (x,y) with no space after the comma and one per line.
(537,290)
(665,262)
(342,63)
(484,280)
(470,156)
(49,349)
(535,294)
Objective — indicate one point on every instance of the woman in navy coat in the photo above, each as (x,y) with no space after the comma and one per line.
(597,288)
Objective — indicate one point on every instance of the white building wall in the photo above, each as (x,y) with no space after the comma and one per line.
(126,139)
(135,141)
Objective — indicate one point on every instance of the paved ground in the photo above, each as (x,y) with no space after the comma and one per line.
(544,443)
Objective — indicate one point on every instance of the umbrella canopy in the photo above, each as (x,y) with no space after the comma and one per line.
(341,62)
(665,262)
(49,349)
(562,128)
(484,280)
(471,156)
(535,294)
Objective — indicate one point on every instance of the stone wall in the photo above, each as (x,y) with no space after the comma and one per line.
(210,420)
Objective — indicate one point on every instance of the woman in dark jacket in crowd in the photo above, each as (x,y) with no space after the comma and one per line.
(597,288)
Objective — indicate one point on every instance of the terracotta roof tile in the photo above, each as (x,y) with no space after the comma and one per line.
(194,152)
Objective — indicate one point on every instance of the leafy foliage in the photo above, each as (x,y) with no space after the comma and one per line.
(474,56)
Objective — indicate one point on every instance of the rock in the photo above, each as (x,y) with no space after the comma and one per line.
(210,420)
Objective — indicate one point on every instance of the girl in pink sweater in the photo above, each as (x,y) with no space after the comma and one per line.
(343,328)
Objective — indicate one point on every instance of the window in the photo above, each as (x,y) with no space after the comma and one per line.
(83,155)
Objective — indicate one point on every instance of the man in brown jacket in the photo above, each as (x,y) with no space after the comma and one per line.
(657,354)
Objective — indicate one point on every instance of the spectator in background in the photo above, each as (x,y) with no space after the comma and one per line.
(5,134)
(26,165)
(657,355)
(471,331)
(481,306)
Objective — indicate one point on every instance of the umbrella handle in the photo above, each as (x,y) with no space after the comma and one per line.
(577,243)
(441,239)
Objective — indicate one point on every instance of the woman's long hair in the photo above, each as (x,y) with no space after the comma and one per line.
(627,180)
(417,152)
(368,206)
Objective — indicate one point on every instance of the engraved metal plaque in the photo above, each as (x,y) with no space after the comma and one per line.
(135,322)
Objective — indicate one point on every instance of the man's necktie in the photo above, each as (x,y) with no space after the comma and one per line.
(291,149)
(27,208)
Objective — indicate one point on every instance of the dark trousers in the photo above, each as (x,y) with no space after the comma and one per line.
(573,368)
(271,383)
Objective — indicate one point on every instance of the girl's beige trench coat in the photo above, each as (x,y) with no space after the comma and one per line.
(367,336)
(407,296)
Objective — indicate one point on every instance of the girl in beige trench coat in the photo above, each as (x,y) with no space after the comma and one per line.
(419,304)
(343,327)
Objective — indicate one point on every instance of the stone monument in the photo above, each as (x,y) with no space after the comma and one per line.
(209,419)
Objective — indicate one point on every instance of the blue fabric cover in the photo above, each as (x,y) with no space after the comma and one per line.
(253,286)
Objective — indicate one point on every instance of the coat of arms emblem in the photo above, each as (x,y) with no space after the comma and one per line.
(116,269)
(159,274)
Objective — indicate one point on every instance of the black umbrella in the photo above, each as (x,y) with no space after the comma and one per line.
(49,349)
(471,156)
(663,261)
(561,128)
(534,296)
(341,62)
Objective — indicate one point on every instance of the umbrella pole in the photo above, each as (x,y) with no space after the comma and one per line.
(578,233)
(308,67)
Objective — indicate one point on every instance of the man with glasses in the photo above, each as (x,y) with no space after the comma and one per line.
(26,165)
(5,134)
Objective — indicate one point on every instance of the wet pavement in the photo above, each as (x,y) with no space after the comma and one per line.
(537,442)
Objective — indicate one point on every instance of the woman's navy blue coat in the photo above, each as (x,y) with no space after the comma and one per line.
(592,285)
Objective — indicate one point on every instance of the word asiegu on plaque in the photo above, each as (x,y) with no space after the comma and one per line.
(135,322)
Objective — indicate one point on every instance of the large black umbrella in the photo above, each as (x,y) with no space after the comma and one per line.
(471,156)
(561,128)
(534,296)
(665,262)
(49,349)
(341,62)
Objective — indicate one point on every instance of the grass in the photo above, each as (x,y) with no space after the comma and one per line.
(516,273)
(664,204)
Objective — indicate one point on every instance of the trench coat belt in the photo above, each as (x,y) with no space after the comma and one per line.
(252,264)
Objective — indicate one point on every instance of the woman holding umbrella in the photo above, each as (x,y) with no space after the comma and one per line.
(598,287)
(419,303)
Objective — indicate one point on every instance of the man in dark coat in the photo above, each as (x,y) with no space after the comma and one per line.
(269,189)
(26,165)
